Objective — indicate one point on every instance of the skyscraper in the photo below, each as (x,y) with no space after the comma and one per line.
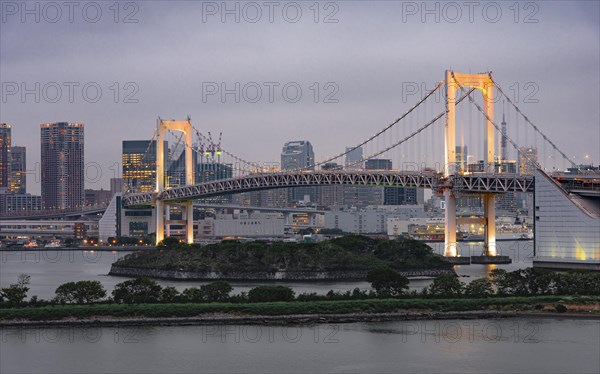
(374,195)
(354,158)
(18,164)
(462,155)
(62,165)
(378,164)
(139,165)
(212,171)
(5,167)
(299,155)
(528,159)
(333,195)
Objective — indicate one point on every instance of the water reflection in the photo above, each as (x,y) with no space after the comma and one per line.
(465,346)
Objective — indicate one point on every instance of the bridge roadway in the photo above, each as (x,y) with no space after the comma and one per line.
(467,183)
(50,214)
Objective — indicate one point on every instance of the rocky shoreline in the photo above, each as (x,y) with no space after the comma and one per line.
(354,275)
(298,319)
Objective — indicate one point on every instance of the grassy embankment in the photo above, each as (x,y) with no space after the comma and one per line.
(586,304)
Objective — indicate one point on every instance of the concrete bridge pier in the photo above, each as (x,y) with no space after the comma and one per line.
(160,221)
(167,220)
(450,247)
(189,219)
(489,210)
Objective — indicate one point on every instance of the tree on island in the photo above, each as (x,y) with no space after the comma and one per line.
(387,282)
(139,290)
(446,286)
(169,294)
(270,293)
(15,294)
(82,292)
(216,291)
(481,287)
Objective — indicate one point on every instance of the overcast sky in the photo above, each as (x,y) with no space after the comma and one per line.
(372,52)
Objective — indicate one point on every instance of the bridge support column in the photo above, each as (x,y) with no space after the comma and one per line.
(160,221)
(189,219)
(162,127)
(489,210)
(167,219)
(450,246)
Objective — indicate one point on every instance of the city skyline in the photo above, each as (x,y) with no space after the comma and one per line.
(312,186)
(372,81)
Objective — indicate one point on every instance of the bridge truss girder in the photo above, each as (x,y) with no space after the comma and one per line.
(475,183)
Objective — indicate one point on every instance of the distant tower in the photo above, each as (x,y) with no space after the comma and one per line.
(503,142)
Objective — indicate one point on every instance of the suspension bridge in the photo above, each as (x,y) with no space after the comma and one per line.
(442,165)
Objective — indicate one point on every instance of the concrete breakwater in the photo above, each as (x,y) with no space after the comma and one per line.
(286,275)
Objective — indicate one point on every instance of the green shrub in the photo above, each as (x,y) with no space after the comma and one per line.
(270,293)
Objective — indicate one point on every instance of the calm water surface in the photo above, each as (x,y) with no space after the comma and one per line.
(451,346)
(49,269)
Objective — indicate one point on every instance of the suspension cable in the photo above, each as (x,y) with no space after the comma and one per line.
(531,123)
(419,130)
(350,149)
(536,163)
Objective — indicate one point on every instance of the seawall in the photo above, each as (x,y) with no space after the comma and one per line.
(336,275)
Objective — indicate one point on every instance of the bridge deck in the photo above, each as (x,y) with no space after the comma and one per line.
(473,183)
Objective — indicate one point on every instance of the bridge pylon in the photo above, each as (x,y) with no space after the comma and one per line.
(485,84)
(163,210)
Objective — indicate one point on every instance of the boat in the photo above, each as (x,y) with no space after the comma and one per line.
(31,244)
(53,244)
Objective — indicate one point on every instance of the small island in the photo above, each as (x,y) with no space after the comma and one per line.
(346,258)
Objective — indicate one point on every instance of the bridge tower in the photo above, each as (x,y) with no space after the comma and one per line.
(163,210)
(485,84)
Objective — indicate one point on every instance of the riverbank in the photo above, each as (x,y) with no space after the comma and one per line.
(298,319)
(302,312)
